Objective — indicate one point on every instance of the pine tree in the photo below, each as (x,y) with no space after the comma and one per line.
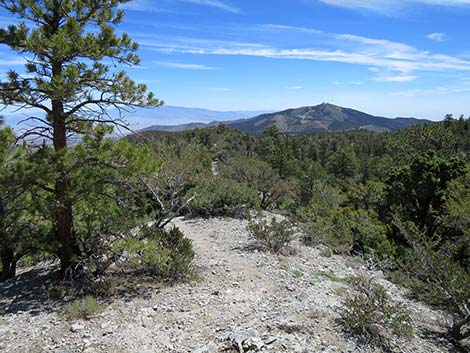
(68,44)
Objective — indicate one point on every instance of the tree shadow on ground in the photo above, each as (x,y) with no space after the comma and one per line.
(43,290)
(441,340)
(28,292)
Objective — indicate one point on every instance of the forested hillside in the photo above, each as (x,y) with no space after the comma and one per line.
(200,232)
(399,199)
(399,202)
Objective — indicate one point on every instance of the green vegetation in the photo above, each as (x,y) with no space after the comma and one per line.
(401,199)
(67,45)
(158,252)
(436,274)
(218,196)
(371,315)
(383,196)
(83,308)
(273,235)
(332,277)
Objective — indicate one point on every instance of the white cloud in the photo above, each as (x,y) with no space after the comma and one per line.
(294,88)
(391,61)
(276,27)
(184,66)
(214,3)
(144,5)
(437,37)
(6,21)
(219,89)
(211,89)
(374,5)
(12,62)
(434,91)
(173,43)
(393,57)
(150,6)
(396,78)
(388,6)
(348,83)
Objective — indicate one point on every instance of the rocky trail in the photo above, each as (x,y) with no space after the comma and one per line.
(241,300)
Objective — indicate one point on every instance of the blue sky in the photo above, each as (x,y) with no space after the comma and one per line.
(384,57)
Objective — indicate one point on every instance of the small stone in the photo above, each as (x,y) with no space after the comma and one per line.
(254,344)
(208,348)
(76,328)
(108,331)
(378,331)
(270,340)
(5,330)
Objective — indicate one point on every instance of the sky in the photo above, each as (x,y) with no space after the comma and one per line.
(385,57)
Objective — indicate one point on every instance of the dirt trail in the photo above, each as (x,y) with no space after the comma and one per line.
(273,302)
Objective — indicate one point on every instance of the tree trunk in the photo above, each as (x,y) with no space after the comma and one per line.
(8,265)
(69,250)
(455,331)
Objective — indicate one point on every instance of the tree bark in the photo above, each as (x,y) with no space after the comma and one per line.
(8,265)
(455,331)
(69,250)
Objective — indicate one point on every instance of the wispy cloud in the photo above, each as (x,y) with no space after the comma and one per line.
(437,37)
(382,6)
(277,27)
(184,66)
(174,43)
(390,61)
(5,21)
(151,6)
(399,78)
(294,88)
(348,83)
(434,91)
(12,61)
(214,3)
(388,6)
(219,89)
(145,5)
(211,89)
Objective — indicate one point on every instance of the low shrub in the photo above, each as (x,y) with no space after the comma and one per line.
(333,231)
(350,231)
(372,316)
(83,308)
(331,276)
(158,252)
(273,235)
(370,235)
(222,197)
(432,273)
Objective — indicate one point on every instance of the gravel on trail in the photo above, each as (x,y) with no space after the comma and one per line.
(241,300)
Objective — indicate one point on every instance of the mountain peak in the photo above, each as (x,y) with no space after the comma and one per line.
(328,105)
(317,118)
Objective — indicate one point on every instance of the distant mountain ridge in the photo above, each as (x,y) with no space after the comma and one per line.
(323,117)
(192,118)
